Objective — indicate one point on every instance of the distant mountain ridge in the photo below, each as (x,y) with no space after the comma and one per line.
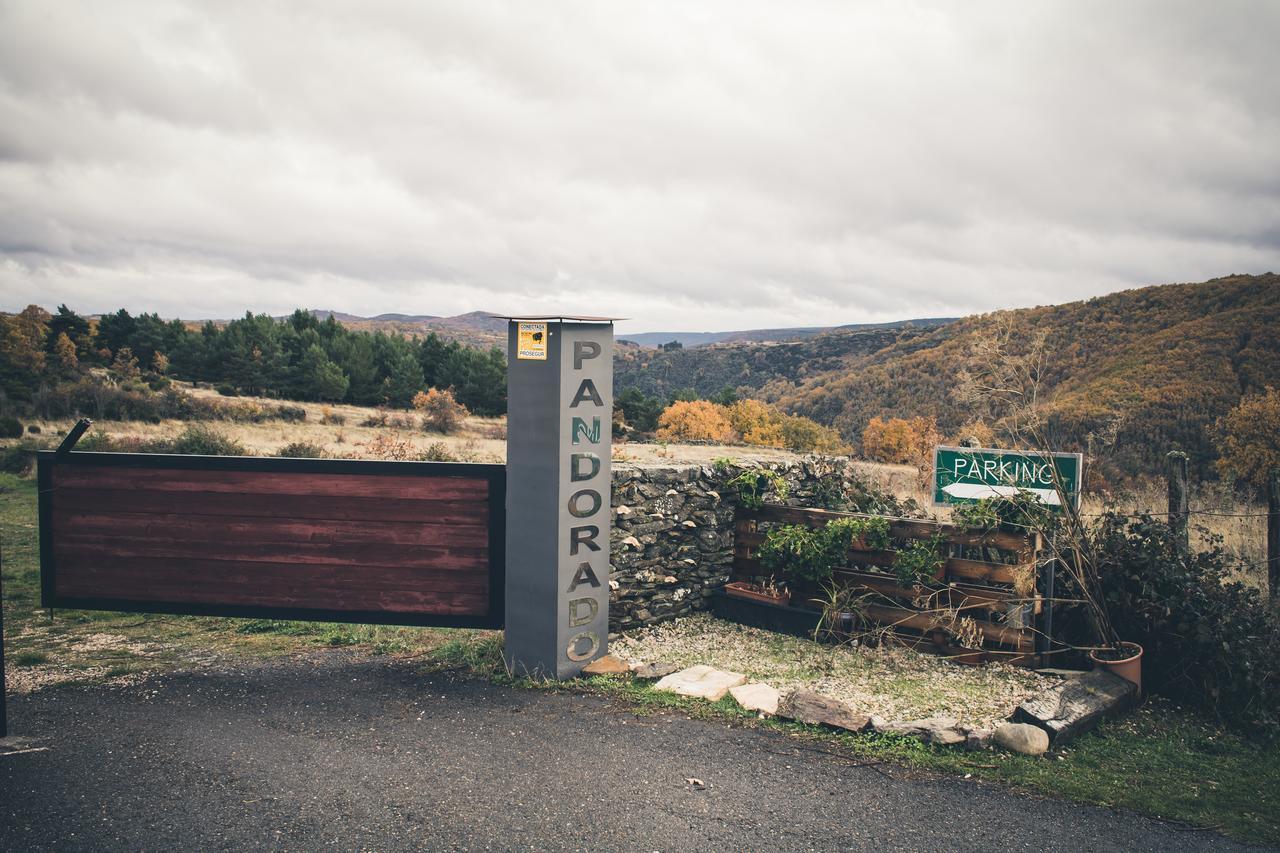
(698,339)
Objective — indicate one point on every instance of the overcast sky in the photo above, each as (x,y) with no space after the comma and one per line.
(692,165)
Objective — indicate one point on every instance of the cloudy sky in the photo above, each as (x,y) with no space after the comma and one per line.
(692,165)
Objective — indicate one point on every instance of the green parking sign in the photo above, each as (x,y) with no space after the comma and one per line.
(968,474)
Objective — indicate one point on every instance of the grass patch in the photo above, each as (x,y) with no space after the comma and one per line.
(29,658)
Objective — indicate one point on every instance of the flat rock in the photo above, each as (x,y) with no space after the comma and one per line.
(806,706)
(1022,737)
(943,731)
(1076,705)
(756,696)
(701,681)
(976,739)
(606,665)
(652,671)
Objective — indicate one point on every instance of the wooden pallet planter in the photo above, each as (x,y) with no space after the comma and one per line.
(981,589)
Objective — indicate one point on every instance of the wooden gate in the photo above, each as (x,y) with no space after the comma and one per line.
(402,543)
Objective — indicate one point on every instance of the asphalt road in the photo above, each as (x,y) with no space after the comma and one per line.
(340,752)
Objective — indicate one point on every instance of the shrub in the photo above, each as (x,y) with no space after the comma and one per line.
(291,414)
(695,420)
(440,411)
(752,484)
(18,458)
(301,450)
(438,452)
(386,445)
(377,419)
(33,429)
(328,416)
(1206,640)
(10,427)
(226,390)
(199,440)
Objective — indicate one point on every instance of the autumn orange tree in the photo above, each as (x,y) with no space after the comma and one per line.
(695,420)
(903,441)
(1249,438)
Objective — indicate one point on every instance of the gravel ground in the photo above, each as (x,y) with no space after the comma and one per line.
(891,681)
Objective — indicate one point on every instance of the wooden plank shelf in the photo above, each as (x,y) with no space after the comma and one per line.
(980,589)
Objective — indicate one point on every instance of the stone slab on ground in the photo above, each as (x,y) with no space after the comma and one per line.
(653,671)
(805,706)
(1077,705)
(606,665)
(701,681)
(757,696)
(943,731)
(1022,737)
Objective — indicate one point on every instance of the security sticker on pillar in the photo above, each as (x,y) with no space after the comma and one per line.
(531,342)
(586,389)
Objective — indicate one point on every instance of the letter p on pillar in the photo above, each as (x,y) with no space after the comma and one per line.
(583,350)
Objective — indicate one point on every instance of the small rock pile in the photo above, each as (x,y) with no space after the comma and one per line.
(1063,711)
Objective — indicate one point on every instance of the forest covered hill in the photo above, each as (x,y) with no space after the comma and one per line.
(1129,375)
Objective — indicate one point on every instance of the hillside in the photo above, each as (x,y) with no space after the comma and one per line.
(709,369)
(1156,366)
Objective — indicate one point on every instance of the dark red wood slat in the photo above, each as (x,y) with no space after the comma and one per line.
(272,506)
(401,487)
(306,553)
(274,585)
(204,528)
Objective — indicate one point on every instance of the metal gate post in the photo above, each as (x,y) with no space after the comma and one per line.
(559,430)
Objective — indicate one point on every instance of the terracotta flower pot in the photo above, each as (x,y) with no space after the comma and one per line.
(1130,668)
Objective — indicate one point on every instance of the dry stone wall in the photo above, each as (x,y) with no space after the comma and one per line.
(672,538)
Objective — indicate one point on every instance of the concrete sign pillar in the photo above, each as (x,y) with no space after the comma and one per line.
(559,427)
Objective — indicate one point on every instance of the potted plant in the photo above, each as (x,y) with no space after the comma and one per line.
(768,591)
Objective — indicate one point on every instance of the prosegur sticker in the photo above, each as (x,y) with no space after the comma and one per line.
(531,341)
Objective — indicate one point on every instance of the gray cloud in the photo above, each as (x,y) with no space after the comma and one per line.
(709,165)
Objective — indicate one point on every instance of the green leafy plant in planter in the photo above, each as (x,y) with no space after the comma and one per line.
(812,553)
(920,562)
(753,484)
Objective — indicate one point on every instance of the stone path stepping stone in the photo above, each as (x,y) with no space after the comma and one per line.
(607,665)
(1076,705)
(653,671)
(756,696)
(806,706)
(943,731)
(702,681)
(1022,737)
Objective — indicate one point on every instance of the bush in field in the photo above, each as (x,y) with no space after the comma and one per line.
(10,428)
(805,436)
(438,452)
(301,450)
(200,440)
(902,441)
(1206,640)
(695,420)
(389,446)
(440,411)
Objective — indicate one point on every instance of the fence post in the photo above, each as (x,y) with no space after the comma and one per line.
(1178,507)
(1273,536)
(4,695)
